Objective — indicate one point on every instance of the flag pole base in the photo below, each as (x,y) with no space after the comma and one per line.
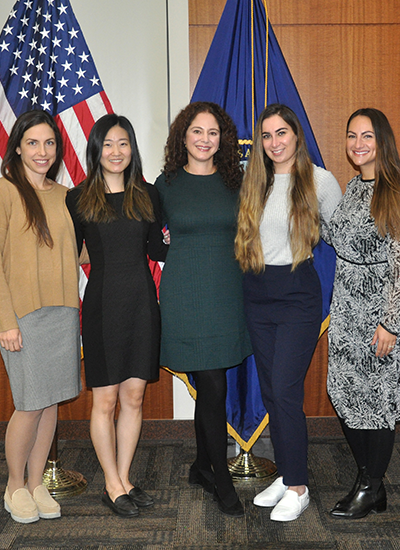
(248,466)
(62,483)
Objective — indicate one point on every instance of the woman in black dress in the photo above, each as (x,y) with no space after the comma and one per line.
(116,213)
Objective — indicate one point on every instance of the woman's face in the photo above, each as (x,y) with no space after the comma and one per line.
(117,152)
(361,145)
(38,151)
(279,142)
(202,138)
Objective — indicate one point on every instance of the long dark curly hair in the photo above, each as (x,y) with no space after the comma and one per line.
(226,159)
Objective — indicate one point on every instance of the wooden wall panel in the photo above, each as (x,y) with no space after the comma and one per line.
(7,406)
(343,55)
(205,12)
(200,38)
(328,12)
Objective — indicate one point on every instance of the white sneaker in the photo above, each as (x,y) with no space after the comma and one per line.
(290,506)
(272,494)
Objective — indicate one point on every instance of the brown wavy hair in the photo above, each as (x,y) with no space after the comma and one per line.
(256,188)
(92,202)
(226,159)
(385,203)
(13,170)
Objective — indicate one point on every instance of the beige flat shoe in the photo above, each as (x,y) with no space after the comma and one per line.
(48,507)
(21,506)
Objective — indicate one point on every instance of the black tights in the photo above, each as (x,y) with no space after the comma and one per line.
(371,448)
(211,432)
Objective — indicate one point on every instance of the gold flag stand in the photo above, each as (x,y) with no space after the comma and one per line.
(61,483)
(248,466)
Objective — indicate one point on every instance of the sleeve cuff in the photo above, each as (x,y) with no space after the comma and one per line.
(391,331)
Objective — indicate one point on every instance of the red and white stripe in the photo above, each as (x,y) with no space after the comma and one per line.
(75,124)
(7,119)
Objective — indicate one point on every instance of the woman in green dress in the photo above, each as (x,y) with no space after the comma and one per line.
(203,325)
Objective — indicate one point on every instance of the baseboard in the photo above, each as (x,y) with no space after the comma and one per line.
(327,426)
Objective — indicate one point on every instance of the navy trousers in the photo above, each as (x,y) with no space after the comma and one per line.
(284,311)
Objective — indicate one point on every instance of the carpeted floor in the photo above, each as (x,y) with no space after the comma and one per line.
(186,518)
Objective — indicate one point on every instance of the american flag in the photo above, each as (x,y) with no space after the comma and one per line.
(45,64)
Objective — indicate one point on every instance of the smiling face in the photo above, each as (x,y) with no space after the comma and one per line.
(38,151)
(279,143)
(202,140)
(117,152)
(361,145)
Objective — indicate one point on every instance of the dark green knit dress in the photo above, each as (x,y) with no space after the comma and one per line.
(203,325)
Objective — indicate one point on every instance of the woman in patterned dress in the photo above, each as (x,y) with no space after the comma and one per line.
(363,377)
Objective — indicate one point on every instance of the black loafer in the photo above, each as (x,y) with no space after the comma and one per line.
(140,497)
(234,510)
(122,506)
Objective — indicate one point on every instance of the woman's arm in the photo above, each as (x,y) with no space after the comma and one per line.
(156,247)
(71,201)
(10,335)
(390,320)
(329,195)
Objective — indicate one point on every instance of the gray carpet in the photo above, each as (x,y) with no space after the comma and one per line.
(186,518)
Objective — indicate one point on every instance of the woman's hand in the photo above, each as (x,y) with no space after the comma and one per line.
(11,340)
(385,341)
(84,255)
(166,236)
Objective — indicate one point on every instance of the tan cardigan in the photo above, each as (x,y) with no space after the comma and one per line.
(34,276)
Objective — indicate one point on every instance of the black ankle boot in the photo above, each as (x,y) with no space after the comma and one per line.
(369,497)
(345,500)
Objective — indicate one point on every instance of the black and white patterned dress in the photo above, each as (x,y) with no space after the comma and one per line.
(364,389)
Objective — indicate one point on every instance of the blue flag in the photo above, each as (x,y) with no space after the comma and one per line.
(244,71)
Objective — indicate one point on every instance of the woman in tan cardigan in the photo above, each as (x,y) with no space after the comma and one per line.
(39,315)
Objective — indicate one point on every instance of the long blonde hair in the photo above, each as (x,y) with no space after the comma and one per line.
(256,188)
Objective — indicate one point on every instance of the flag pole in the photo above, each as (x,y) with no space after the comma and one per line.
(59,482)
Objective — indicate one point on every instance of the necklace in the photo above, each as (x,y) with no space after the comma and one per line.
(186,168)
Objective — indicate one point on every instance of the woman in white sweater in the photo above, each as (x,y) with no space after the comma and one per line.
(284,199)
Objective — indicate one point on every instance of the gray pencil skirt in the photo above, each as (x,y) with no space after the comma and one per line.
(47,369)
